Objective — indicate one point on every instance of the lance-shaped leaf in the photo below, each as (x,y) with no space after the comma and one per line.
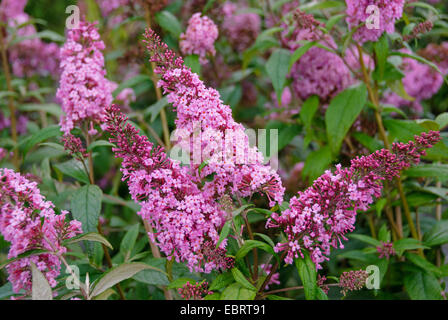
(116,275)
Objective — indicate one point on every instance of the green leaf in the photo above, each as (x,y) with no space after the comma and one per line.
(308,110)
(128,242)
(320,294)
(91,236)
(86,206)
(45,34)
(277,69)
(384,233)
(423,263)
(287,134)
(252,244)
(105,295)
(342,113)
(6,291)
(437,235)
(393,76)
(441,192)
(241,279)
(260,45)
(403,130)
(73,168)
(308,275)
(180,282)
(298,53)
(439,171)
(422,5)
(422,286)
(169,23)
(391,109)
(265,238)
(333,20)
(428,124)
(397,87)
(366,239)
(39,136)
(381,48)
(99,143)
(131,83)
(5,94)
(52,145)
(408,244)
(418,58)
(237,292)
(23,255)
(208,5)
(155,275)
(41,289)
(50,108)
(213,296)
(442,120)
(116,275)
(221,281)
(317,162)
(155,108)
(367,141)
(224,233)
(192,61)
(321,5)
(239,210)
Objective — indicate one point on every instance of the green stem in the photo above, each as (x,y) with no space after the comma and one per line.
(373,95)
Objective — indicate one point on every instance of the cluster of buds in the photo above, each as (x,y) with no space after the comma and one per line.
(195,291)
(421,28)
(74,146)
(386,249)
(352,281)
(321,283)
(217,256)
(305,20)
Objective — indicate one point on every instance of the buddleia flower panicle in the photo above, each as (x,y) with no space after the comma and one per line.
(319,217)
(237,167)
(199,38)
(184,220)
(29,222)
(83,91)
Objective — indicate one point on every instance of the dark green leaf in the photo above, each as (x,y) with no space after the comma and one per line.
(39,136)
(422,286)
(342,113)
(438,234)
(91,236)
(241,279)
(192,61)
(277,69)
(128,242)
(169,23)
(86,206)
(224,233)
(308,275)
(237,292)
(221,281)
(252,244)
